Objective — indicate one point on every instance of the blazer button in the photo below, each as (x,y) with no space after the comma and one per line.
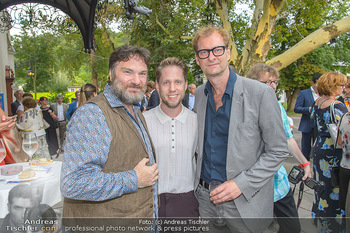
(151,206)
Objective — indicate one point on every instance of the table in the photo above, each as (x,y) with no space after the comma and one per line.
(48,185)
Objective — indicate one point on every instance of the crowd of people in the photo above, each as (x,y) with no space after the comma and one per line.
(47,122)
(147,149)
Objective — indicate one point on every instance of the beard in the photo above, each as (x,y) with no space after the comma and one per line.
(120,91)
(171,104)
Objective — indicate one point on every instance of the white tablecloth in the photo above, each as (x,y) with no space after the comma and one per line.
(50,183)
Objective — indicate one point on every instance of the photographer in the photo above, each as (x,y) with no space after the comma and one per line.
(284,205)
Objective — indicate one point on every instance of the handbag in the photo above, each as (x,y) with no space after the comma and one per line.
(46,125)
(332,126)
(335,176)
(336,169)
(13,143)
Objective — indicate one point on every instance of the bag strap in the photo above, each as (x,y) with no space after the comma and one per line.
(301,192)
(333,118)
(336,142)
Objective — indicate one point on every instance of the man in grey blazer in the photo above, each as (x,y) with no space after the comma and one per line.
(241,140)
(60,109)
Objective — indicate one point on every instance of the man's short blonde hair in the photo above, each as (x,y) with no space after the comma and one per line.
(172,61)
(257,70)
(328,83)
(208,31)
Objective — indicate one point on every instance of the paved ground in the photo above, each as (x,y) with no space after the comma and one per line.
(306,204)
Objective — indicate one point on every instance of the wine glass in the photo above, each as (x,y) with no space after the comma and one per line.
(30,145)
(219,208)
(2,150)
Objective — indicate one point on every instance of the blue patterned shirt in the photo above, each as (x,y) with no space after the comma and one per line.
(282,186)
(86,152)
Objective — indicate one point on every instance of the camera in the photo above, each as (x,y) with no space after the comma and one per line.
(296,174)
(318,186)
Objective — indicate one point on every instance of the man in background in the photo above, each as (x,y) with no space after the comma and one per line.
(189,98)
(60,109)
(14,105)
(285,209)
(73,106)
(154,99)
(303,104)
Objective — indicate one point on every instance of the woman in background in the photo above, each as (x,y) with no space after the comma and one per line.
(326,211)
(345,98)
(32,121)
(50,117)
(87,92)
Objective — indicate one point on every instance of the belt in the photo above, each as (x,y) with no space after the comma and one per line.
(203,183)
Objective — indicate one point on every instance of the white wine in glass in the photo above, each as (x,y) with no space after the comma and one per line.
(30,144)
(219,208)
(2,150)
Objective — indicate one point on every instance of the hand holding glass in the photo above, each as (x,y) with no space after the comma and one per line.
(30,144)
(2,150)
(219,208)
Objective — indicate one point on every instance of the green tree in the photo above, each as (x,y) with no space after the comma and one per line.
(284,34)
(36,52)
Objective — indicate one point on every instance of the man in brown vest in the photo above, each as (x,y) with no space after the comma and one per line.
(109,168)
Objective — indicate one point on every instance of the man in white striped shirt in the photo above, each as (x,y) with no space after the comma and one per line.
(173,129)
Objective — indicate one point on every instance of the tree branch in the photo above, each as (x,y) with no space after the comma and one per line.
(310,43)
(258,11)
(168,33)
(162,27)
(221,8)
(263,23)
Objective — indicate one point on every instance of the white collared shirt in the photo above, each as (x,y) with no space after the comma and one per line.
(314,94)
(60,115)
(175,142)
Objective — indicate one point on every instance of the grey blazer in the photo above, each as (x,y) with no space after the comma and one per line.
(65,108)
(257,147)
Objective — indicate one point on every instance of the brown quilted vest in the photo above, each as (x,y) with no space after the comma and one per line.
(127,149)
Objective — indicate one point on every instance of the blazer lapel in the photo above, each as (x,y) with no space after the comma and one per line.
(311,97)
(202,100)
(236,109)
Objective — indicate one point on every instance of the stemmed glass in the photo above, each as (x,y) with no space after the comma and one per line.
(219,208)
(2,150)
(30,145)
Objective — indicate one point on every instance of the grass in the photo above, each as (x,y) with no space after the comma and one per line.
(293,114)
(290,113)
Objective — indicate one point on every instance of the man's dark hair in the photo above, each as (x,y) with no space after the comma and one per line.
(316,77)
(125,52)
(22,191)
(27,95)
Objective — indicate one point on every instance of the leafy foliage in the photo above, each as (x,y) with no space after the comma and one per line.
(167,32)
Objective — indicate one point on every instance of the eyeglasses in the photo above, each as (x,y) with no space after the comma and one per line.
(270,82)
(217,52)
